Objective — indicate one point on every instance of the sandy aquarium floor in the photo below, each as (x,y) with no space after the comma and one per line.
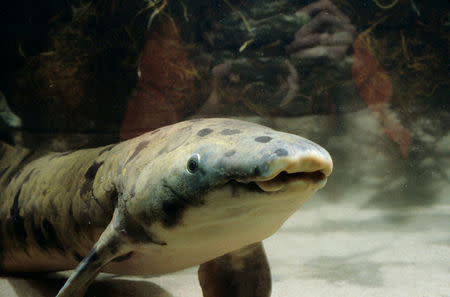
(381,227)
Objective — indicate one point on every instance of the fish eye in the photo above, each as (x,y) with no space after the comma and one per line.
(193,163)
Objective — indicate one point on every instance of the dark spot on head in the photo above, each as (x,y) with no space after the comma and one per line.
(281,152)
(77,257)
(18,222)
(123,257)
(52,238)
(204,132)
(142,145)
(263,139)
(230,153)
(230,132)
(90,176)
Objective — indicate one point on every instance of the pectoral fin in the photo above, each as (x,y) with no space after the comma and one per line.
(109,247)
(242,273)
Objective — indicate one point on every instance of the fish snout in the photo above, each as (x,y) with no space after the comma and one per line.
(299,165)
(310,169)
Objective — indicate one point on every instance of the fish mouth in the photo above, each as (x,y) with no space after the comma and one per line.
(290,173)
(283,179)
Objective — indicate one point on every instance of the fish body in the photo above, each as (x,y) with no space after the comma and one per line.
(204,191)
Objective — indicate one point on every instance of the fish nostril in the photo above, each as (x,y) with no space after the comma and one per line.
(260,170)
(257,171)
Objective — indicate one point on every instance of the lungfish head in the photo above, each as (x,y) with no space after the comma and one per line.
(220,182)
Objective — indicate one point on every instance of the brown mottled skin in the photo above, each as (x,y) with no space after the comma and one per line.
(50,203)
(198,192)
